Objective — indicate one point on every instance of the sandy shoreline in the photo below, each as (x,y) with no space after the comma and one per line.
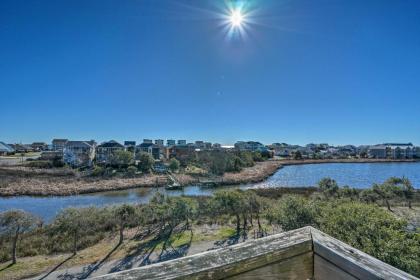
(45,183)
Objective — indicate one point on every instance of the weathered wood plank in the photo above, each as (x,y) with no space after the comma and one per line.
(324,270)
(296,268)
(353,261)
(225,262)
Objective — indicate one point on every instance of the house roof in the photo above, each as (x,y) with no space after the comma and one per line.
(129,143)
(6,148)
(81,144)
(59,140)
(111,144)
(393,147)
(145,145)
(21,147)
(398,144)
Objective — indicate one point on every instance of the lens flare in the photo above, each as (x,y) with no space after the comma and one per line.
(236,18)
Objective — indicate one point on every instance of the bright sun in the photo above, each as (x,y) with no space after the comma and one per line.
(236,18)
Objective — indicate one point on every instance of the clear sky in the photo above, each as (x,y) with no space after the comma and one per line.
(300,71)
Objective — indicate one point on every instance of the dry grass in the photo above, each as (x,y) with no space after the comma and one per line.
(411,215)
(32,266)
(257,173)
(25,181)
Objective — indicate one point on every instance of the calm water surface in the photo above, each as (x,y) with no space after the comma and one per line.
(360,175)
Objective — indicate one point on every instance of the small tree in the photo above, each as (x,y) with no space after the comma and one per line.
(369,196)
(297,155)
(168,212)
(408,191)
(403,187)
(347,192)
(218,165)
(16,223)
(386,192)
(237,163)
(174,164)
(256,207)
(328,186)
(257,156)
(121,158)
(124,214)
(146,162)
(76,224)
(247,158)
(229,203)
(131,171)
(98,171)
(293,212)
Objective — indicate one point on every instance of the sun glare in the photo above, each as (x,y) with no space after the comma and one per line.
(236,18)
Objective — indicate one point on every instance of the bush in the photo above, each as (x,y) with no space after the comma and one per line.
(58,162)
(292,212)
(146,162)
(76,228)
(131,171)
(219,162)
(40,164)
(121,158)
(328,187)
(347,192)
(98,171)
(174,164)
(256,156)
(247,158)
(374,231)
(368,196)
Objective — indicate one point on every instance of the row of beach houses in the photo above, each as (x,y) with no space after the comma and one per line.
(394,151)
(84,153)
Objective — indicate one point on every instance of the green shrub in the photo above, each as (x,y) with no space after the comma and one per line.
(40,164)
(174,164)
(292,212)
(131,171)
(146,162)
(98,171)
(374,231)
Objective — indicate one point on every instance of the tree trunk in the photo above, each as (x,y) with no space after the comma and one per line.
(409,204)
(259,223)
(14,246)
(121,234)
(75,244)
(387,205)
(166,240)
(245,222)
(238,223)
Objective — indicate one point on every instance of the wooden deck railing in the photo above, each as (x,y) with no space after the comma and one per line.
(304,253)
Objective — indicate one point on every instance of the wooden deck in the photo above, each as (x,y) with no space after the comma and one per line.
(304,253)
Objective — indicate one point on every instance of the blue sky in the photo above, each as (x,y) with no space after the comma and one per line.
(304,71)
